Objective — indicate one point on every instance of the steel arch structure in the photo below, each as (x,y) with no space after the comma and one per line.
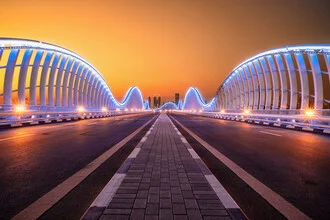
(288,79)
(193,100)
(46,77)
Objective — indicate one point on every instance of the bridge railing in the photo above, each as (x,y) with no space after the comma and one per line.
(307,121)
(14,118)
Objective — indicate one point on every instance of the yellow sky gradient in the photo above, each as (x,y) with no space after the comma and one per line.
(163,47)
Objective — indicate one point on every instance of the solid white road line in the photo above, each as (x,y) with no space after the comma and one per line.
(270,133)
(278,202)
(36,209)
(20,136)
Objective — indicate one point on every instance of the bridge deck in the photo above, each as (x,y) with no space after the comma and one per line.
(164,179)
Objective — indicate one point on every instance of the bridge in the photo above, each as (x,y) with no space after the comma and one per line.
(259,149)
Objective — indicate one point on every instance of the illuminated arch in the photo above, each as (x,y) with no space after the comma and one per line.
(194,100)
(290,78)
(44,76)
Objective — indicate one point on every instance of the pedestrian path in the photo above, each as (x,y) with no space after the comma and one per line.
(163,178)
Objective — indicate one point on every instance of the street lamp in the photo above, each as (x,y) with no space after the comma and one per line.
(104,109)
(80,109)
(246,111)
(309,113)
(222,111)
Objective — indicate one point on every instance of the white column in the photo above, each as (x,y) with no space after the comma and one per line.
(65,82)
(262,89)
(268,83)
(22,76)
(51,79)
(292,80)
(43,78)
(75,69)
(303,80)
(81,83)
(275,81)
(75,88)
(8,83)
(283,82)
(34,77)
(87,81)
(59,81)
(317,79)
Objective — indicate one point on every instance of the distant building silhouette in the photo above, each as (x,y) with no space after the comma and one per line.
(149,100)
(159,101)
(177,97)
(155,102)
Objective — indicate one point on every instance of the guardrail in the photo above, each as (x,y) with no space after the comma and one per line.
(315,122)
(15,119)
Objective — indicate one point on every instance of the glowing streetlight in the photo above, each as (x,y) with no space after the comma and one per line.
(19,108)
(117,110)
(200,111)
(81,109)
(104,109)
(246,111)
(222,111)
(309,113)
(126,109)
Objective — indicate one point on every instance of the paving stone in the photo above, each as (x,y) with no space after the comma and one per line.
(151,217)
(114,217)
(214,212)
(142,194)
(117,211)
(177,198)
(153,198)
(137,214)
(165,214)
(179,208)
(165,204)
(194,214)
(140,203)
(180,217)
(152,209)
(191,204)
(165,194)
(114,205)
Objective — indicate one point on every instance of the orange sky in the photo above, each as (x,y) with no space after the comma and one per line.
(164,47)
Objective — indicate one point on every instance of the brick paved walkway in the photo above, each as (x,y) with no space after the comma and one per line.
(165,182)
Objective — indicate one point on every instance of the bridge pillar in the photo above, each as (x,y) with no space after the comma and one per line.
(85,89)
(53,70)
(44,74)
(8,83)
(22,76)
(268,83)
(275,83)
(75,69)
(248,77)
(292,81)
(59,77)
(303,80)
(76,83)
(34,77)
(256,86)
(261,80)
(283,82)
(80,88)
(317,81)
(65,82)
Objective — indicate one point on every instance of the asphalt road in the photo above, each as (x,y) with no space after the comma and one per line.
(294,164)
(35,159)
